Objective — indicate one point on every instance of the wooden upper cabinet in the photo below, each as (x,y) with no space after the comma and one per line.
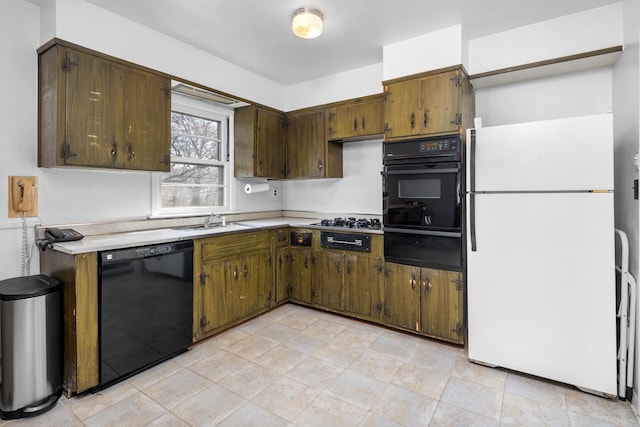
(309,153)
(95,112)
(437,103)
(259,143)
(356,119)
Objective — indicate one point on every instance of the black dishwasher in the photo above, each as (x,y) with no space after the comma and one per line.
(145,307)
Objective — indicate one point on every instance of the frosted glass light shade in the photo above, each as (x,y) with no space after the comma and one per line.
(307,23)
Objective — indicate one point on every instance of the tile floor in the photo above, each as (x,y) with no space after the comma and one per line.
(295,366)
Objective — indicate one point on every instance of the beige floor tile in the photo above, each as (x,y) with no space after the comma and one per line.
(219,365)
(286,397)
(452,416)
(490,377)
(299,319)
(325,329)
(168,420)
(428,382)
(404,407)
(376,365)
(518,411)
(255,325)
(373,420)
(277,332)
(433,356)
(357,389)
(175,389)
(358,338)
(137,410)
(209,407)
(58,415)
(88,404)
(251,347)
(472,397)
(197,353)
(315,372)
(228,338)
(338,354)
(536,389)
(251,414)
(304,343)
(395,344)
(614,411)
(280,359)
(249,380)
(153,375)
(327,410)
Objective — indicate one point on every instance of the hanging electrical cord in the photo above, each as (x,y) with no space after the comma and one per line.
(26,253)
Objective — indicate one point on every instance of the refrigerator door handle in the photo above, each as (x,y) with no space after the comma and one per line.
(472,188)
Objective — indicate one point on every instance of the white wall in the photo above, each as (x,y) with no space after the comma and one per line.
(626,96)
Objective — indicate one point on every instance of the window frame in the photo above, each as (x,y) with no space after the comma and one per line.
(209,110)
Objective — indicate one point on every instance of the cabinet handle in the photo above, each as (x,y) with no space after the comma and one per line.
(235,272)
(355,124)
(320,165)
(413,280)
(413,120)
(114,150)
(260,165)
(306,262)
(245,271)
(132,153)
(427,285)
(349,266)
(425,118)
(338,266)
(362,122)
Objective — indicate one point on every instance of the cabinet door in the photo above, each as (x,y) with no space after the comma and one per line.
(363,284)
(300,278)
(370,119)
(344,121)
(328,275)
(251,284)
(402,109)
(306,145)
(94,105)
(439,103)
(283,274)
(442,304)
(147,122)
(216,296)
(402,296)
(269,147)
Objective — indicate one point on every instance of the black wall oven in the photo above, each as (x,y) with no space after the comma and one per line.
(422,202)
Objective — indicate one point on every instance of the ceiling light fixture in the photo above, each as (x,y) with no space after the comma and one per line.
(307,23)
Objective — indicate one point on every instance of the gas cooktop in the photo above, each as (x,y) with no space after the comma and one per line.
(352,222)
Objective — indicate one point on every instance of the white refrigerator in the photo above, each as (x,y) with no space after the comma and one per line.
(540,250)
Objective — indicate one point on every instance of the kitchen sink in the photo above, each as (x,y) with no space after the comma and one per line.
(210,227)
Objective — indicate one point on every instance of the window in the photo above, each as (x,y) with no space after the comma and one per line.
(199,181)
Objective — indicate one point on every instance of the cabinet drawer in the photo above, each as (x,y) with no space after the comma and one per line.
(235,243)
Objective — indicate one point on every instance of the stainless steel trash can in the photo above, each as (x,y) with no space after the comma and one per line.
(30,345)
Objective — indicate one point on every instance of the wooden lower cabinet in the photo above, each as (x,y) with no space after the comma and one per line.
(79,277)
(299,263)
(282,270)
(402,296)
(442,305)
(233,280)
(425,300)
(363,285)
(327,277)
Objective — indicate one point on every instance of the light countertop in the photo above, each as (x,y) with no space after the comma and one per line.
(111,241)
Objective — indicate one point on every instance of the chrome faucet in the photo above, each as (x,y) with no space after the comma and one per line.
(209,219)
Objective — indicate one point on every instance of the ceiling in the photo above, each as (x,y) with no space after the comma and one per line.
(256,34)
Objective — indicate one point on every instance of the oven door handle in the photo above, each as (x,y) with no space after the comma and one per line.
(420,171)
(423,232)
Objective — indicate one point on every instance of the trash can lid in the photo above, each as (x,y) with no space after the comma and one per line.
(27,287)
